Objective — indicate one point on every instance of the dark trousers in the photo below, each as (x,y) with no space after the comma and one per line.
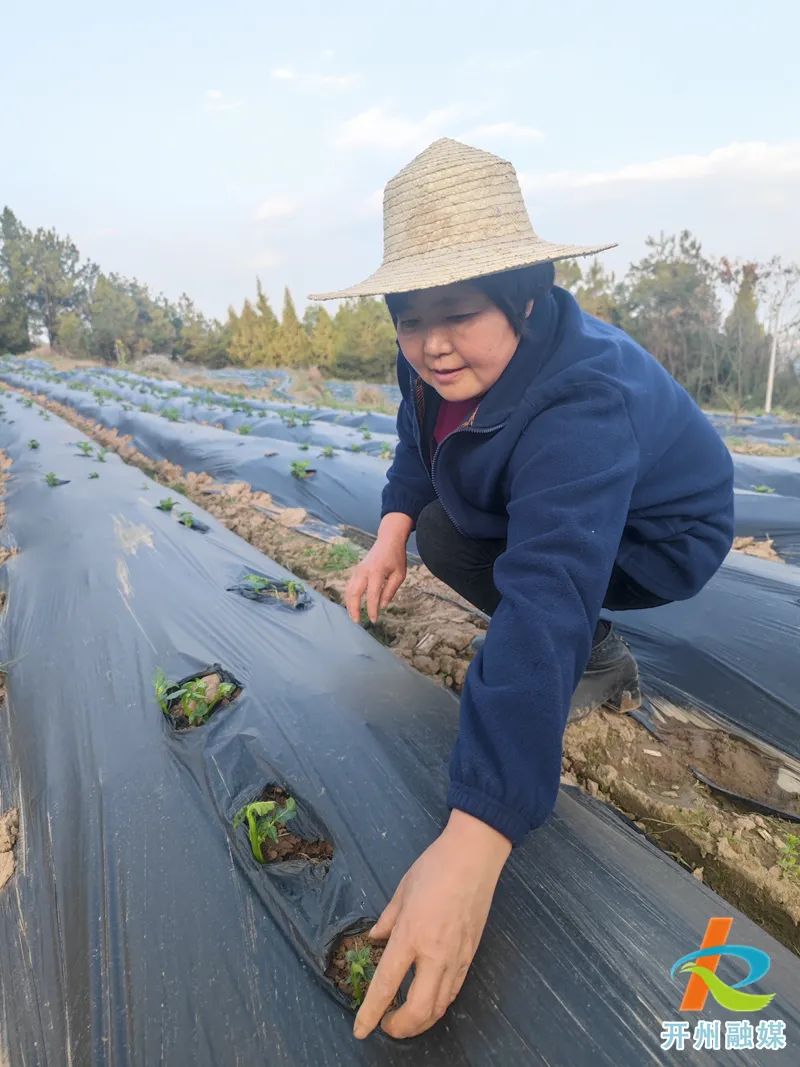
(466,566)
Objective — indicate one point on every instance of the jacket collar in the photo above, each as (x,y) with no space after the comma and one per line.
(531,354)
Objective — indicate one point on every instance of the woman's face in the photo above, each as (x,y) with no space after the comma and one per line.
(456,339)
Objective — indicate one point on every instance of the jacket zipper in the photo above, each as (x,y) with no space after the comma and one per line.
(465,427)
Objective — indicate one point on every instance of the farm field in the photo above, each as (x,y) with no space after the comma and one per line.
(188,712)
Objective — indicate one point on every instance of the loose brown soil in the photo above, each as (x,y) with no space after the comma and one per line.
(733,850)
(737,854)
(9,831)
(290,846)
(338,970)
(751,546)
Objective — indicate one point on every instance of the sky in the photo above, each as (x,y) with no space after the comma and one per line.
(198,146)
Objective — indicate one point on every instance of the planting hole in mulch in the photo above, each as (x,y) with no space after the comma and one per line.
(290,593)
(265,820)
(193,700)
(352,965)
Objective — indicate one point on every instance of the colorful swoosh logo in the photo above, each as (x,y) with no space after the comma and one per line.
(702,964)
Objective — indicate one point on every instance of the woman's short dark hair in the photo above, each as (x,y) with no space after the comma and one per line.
(509,291)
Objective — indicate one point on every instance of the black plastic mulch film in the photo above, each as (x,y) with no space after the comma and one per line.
(139,929)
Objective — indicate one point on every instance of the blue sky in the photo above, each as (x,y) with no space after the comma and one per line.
(197,145)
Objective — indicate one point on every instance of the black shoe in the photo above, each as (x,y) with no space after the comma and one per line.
(611,678)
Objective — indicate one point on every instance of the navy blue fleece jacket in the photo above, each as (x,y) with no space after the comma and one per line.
(584,453)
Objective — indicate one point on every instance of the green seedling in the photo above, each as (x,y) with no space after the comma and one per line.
(303,447)
(361,971)
(355,448)
(265,822)
(245,429)
(327,452)
(167,504)
(789,857)
(305,419)
(257,583)
(763,489)
(186,518)
(301,469)
(191,697)
(341,556)
(52,479)
(387,452)
(94,474)
(172,414)
(84,448)
(365,433)
(27,402)
(101,455)
(146,408)
(33,443)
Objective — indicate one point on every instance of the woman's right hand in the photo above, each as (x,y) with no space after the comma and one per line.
(379,574)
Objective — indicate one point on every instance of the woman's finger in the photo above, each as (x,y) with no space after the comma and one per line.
(425,1004)
(390,972)
(384,926)
(353,594)
(393,583)
(374,591)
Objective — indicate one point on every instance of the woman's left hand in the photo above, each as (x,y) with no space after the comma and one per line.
(434,921)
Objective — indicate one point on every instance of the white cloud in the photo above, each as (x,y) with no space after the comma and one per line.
(265,259)
(335,81)
(276,207)
(743,159)
(501,131)
(216,101)
(283,74)
(327,53)
(375,128)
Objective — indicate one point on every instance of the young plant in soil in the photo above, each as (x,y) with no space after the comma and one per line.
(352,966)
(146,408)
(327,452)
(172,414)
(289,590)
(270,841)
(301,469)
(33,443)
(245,429)
(101,455)
(763,489)
(340,557)
(266,820)
(387,452)
(167,504)
(303,447)
(193,701)
(305,419)
(789,858)
(94,474)
(52,479)
(365,433)
(186,519)
(84,448)
(355,448)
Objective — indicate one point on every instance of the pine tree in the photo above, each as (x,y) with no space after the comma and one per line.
(323,339)
(296,350)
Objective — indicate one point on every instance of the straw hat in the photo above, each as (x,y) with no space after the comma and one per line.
(455,212)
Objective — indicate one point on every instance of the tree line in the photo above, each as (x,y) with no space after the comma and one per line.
(711,322)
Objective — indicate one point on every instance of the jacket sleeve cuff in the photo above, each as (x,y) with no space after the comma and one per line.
(506,821)
(402,502)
